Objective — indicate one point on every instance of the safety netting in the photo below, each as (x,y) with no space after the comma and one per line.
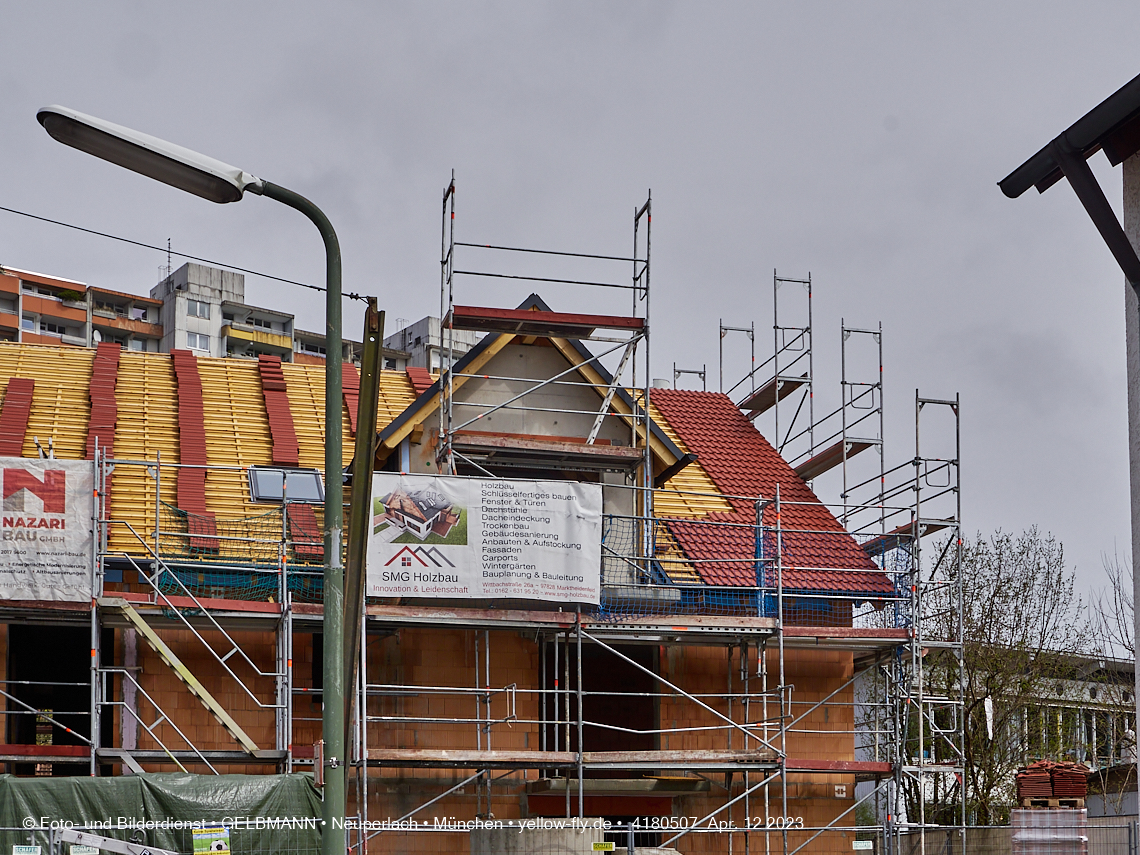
(727,568)
(650,566)
(241,558)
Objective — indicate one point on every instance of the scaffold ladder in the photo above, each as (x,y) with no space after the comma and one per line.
(180,670)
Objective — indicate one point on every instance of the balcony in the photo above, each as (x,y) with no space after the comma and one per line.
(107,321)
(52,308)
(256,335)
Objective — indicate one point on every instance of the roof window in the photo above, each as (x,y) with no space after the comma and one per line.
(300,485)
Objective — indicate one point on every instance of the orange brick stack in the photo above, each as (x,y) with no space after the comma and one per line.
(1046,779)
(1035,781)
(1070,781)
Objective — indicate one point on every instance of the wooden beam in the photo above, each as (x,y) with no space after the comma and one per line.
(591,374)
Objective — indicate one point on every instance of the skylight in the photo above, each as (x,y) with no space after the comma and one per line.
(301,485)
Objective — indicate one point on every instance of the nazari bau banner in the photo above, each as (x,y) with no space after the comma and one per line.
(45,529)
(442,536)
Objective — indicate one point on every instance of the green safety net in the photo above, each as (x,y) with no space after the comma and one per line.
(286,807)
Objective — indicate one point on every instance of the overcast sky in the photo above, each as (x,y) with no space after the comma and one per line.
(858,141)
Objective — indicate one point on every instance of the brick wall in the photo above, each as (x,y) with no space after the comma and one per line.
(437,658)
(191,717)
(446,658)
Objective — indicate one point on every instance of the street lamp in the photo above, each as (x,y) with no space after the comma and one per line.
(219,182)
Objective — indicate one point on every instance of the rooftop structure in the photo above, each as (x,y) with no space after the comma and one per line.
(423,342)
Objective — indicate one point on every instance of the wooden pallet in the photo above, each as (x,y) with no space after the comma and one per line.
(1053,803)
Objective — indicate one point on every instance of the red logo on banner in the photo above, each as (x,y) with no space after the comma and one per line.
(52,490)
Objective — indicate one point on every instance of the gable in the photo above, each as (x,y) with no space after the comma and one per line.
(570,410)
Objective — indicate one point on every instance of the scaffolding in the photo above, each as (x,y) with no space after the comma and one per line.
(733,732)
(457,418)
(756,713)
(920,731)
(661,604)
(787,373)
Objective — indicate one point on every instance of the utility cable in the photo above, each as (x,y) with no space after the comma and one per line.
(350,296)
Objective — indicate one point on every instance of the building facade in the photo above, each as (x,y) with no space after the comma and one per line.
(714,679)
(197,308)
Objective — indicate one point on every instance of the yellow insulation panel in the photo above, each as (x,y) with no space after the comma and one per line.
(695,494)
(237,433)
(305,385)
(236,429)
(61,408)
(672,559)
(396,395)
(146,395)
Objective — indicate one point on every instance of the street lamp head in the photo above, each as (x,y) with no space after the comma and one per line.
(163,161)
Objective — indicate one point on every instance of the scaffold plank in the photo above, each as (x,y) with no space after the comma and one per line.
(45,753)
(537,323)
(536,449)
(764,398)
(115,755)
(905,532)
(474,759)
(832,456)
(803,764)
(699,628)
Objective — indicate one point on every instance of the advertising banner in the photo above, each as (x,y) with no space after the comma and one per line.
(442,536)
(46,536)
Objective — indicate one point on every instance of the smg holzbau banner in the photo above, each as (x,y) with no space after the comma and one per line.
(46,539)
(441,536)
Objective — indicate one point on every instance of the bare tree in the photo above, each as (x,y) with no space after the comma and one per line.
(1022,623)
(1113,627)
(1113,612)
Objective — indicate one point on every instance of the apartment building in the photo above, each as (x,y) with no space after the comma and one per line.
(427,343)
(197,308)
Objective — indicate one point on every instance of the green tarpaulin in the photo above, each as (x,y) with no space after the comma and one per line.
(266,814)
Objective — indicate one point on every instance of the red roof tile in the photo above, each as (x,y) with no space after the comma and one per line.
(192,452)
(421,379)
(817,553)
(14,418)
(285,449)
(350,391)
(305,532)
(104,408)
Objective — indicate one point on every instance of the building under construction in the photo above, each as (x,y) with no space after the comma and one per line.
(705,702)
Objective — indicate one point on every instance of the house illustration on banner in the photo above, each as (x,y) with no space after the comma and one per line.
(421,512)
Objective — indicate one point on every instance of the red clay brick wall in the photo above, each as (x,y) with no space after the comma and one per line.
(187,712)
